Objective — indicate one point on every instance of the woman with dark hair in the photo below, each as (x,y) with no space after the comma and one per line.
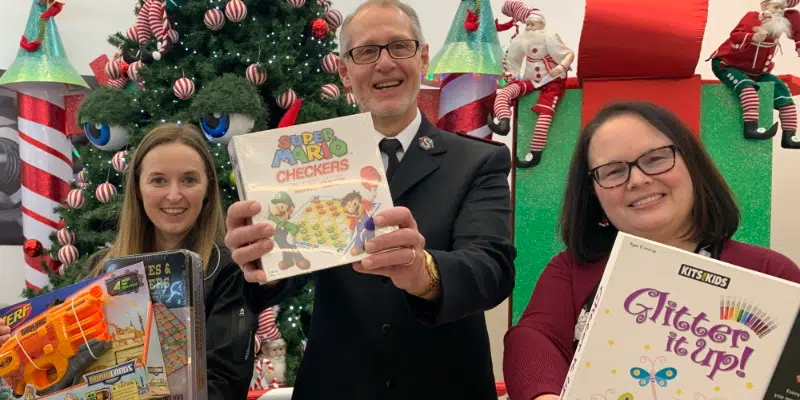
(637,169)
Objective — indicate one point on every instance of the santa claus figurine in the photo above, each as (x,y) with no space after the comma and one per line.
(547,60)
(747,59)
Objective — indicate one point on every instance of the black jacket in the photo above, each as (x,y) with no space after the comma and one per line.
(230,328)
(369,339)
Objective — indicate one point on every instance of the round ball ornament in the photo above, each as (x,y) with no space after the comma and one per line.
(232,178)
(65,236)
(68,254)
(183,88)
(236,10)
(351,99)
(173,36)
(119,161)
(255,75)
(75,198)
(319,28)
(334,18)
(214,19)
(286,99)
(330,91)
(329,63)
(32,248)
(112,69)
(296,3)
(83,176)
(131,34)
(133,71)
(104,192)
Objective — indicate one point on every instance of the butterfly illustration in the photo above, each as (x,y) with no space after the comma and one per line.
(610,396)
(652,377)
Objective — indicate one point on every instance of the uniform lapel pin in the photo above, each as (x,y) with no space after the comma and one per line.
(425,143)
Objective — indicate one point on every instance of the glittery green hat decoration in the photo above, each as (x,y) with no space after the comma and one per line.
(41,57)
(472,45)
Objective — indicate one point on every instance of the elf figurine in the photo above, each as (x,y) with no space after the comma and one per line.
(270,348)
(747,58)
(547,61)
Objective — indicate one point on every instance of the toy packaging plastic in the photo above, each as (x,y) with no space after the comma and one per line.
(671,324)
(93,340)
(176,290)
(319,184)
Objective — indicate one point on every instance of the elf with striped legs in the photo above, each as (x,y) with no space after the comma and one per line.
(547,61)
(747,58)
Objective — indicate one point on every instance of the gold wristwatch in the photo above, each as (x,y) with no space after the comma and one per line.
(433,273)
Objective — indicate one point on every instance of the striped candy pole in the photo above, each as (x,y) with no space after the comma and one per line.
(46,168)
(465,102)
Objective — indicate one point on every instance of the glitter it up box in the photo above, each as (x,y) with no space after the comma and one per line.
(671,324)
(319,184)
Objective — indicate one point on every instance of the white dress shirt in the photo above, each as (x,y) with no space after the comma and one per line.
(406,136)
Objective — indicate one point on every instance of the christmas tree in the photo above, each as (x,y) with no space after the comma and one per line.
(229,66)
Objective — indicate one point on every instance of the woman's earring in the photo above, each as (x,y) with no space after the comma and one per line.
(603,221)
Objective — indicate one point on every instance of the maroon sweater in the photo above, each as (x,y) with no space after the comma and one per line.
(538,350)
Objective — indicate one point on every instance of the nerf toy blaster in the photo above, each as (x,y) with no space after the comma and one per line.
(52,351)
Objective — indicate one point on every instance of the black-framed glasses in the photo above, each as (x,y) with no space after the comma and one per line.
(654,162)
(399,49)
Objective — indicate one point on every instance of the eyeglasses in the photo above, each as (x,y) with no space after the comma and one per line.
(654,162)
(399,49)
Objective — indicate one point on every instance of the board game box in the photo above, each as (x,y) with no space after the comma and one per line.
(93,340)
(319,184)
(670,324)
(175,279)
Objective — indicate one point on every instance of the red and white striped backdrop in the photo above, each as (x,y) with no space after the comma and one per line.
(465,102)
(46,158)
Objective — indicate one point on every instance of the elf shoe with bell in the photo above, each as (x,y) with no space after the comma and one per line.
(753,131)
(532,159)
(790,140)
(502,127)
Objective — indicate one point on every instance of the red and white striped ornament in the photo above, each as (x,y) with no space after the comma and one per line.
(255,75)
(118,83)
(131,34)
(75,198)
(133,71)
(112,69)
(296,3)
(330,91)
(104,192)
(351,98)
(214,19)
(334,18)
(183,88)
(236,11)
(286,99)
(173,36)
(65,236)
(329,63)
(83,176)
(68,254)
(119,161)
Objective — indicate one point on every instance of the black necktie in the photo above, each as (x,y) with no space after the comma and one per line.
(390,147)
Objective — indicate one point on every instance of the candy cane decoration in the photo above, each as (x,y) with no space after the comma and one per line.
(46,162)
(465,101)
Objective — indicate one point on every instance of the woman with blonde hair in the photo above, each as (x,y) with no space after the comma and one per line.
(172,201)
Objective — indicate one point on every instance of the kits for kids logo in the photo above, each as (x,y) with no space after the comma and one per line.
(306,148)
(704,276)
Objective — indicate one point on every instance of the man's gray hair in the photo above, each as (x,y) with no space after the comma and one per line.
(416,27)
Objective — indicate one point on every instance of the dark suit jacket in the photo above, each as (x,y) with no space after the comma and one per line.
(371,340)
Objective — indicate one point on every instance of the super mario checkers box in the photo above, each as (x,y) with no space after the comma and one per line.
(319,184)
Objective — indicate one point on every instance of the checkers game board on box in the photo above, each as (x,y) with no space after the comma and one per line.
(319,184)
(670,324)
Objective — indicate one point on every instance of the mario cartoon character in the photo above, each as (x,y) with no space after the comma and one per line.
(285,231)
(358,209)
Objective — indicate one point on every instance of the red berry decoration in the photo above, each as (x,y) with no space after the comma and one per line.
(32,248)
(319,28)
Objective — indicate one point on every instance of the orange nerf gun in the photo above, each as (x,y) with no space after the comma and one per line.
(52,351)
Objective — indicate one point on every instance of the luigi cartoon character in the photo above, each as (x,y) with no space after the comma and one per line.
(285,231)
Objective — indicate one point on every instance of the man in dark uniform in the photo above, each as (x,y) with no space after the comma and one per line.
(407,323)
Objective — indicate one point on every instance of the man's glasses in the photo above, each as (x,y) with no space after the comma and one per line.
(398,49)
(654,162)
